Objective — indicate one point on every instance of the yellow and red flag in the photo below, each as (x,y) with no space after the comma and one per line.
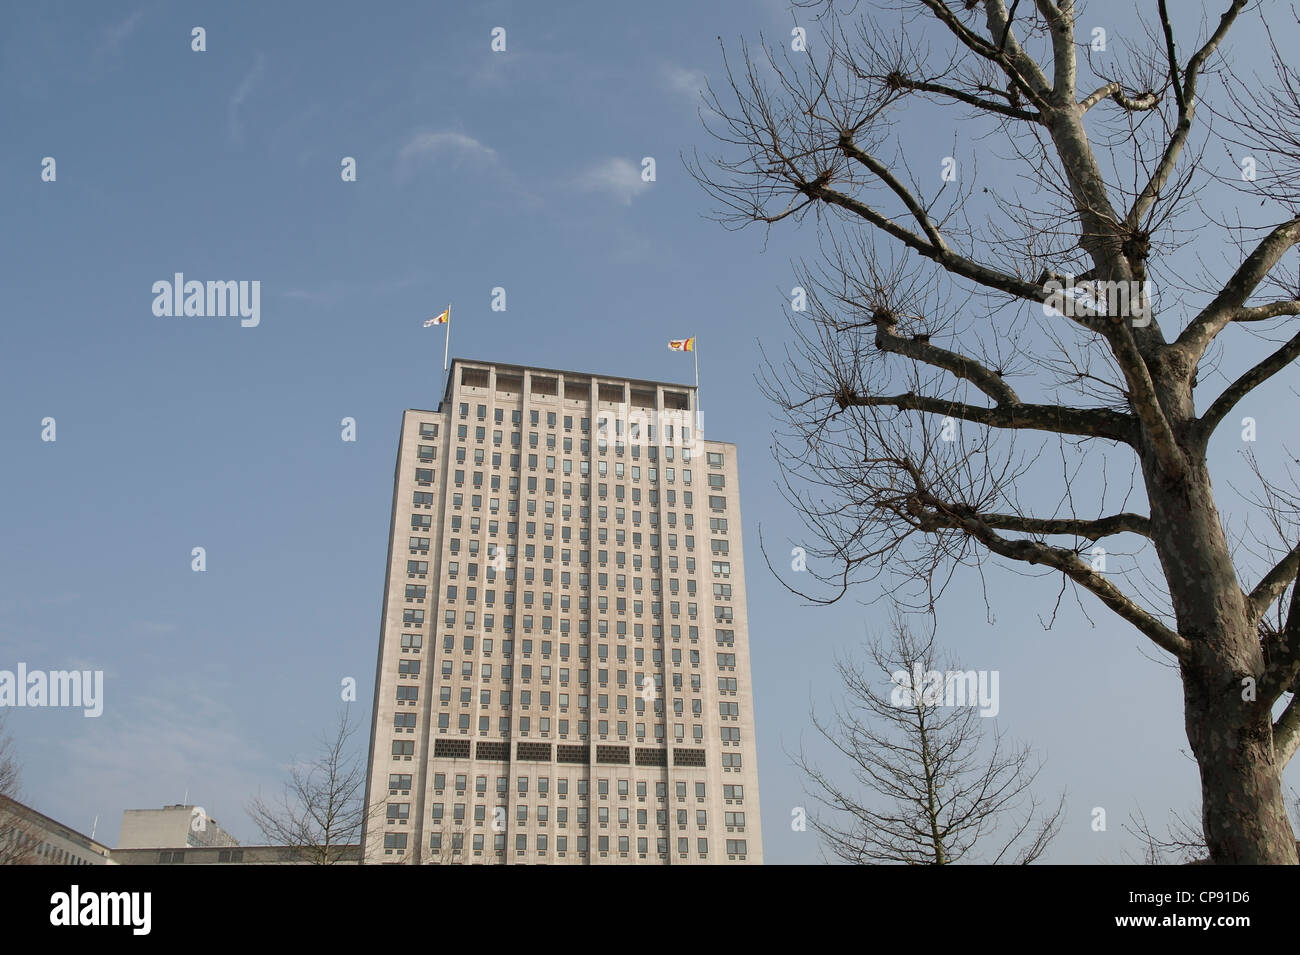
(682,344)
(441,319)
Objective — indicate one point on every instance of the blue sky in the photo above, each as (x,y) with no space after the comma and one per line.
(476,170)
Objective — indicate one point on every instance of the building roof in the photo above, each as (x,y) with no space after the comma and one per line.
(53,826)
(554,371)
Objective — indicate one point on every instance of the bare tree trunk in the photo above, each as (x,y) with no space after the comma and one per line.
(1242,807)
(1229,730)
(931,809)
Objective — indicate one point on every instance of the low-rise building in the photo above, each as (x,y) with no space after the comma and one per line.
(231,855)
(172,827)
(28,837)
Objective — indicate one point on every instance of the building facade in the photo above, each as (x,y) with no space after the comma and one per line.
(172,827)
(563,669)
(231,855)
(28,837)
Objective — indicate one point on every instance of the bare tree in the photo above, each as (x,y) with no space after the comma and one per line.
(322,809)
(932,786)
(10,776)
(1182,843)
(979,364)
(18,836)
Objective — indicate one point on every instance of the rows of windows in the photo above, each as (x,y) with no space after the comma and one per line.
(481,599)
(603,817)
(565,728)
(566,530)
(453,844)
(481,815)
(480,616)
(21,843)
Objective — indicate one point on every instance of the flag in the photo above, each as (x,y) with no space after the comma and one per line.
(439,319)
(682,344)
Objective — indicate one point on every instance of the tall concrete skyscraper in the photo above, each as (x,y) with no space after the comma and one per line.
(563,670)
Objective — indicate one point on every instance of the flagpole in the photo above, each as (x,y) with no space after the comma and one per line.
(697,388)
(446,343)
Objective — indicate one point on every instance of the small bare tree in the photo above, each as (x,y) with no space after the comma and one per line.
(944,788)
(18,837)
(9,773)
(1182,844)
(322,809)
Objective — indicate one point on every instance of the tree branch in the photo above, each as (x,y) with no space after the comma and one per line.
(1093,530)
(1274,585)
(1172,56)
(991,106)
(1060,24)
(882,172)
(1256,376)
(1185,93)
(1212,319)
(1259,313)
(1140,103)
(1145,403)
(1066,561)
(985,379)
(1086,422)
(1019,68)
(953,262)
(1286,733)
(1280,676)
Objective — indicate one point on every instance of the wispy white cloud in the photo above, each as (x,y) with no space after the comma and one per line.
(331,293)
(313,296)
(685,82)
(429,146)
(615,177)
(246,86)
(152,750)
(120,32)
(389,286)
